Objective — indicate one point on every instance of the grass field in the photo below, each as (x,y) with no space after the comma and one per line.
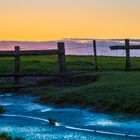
(50,63)
(115,90)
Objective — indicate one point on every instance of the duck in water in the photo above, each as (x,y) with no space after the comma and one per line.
(53,122)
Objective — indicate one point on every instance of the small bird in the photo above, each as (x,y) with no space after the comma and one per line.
(53,122)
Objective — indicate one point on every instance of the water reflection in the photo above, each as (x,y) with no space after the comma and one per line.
(30,120)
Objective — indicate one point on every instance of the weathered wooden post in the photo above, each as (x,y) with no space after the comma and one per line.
(128,60)
(95,55)
(127,47)
(61,56)
(17,64)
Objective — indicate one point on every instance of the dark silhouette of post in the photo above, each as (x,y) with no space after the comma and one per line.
(127,47)
(128,60)
(95,55)
(17,64)
(61,56)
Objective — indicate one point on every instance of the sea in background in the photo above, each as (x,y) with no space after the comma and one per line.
(74,46)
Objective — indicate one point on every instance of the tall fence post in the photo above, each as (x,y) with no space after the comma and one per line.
(95,55)
(17,65)
(128,60)
(61,56)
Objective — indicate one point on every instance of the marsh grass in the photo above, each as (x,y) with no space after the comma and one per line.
(2,110)
(6,137)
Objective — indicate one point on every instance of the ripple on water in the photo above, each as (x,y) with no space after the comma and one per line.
(6,95)
(6,104)
(46,110)
(33,124)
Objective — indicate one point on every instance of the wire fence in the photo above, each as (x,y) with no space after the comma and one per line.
(103,48)
(74,47)
(80,53)
(107,59)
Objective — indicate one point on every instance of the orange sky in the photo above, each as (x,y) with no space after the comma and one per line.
(56,19)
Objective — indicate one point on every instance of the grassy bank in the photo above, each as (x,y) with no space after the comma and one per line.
(6,137)
(2,110)
(111,89)
(115,92)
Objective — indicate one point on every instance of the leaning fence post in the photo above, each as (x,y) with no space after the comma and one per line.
(17,64)
(61,56)
(128,60)
(95,55)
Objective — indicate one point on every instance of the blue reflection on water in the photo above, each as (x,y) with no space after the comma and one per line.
(30,122)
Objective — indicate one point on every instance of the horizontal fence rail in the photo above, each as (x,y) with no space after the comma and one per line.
(28,53)
(17,53)
(127,49)
(132,47)
(37,74)
(60,52)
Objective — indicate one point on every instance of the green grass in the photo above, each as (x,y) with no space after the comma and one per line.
(2,110)
(50,63)
(6,137)
(114,91)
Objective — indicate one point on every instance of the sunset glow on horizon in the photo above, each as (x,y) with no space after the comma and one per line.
(39,20)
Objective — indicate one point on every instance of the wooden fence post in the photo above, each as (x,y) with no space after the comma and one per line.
(17,65)
(61,56)
(128,60)
(95,55)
